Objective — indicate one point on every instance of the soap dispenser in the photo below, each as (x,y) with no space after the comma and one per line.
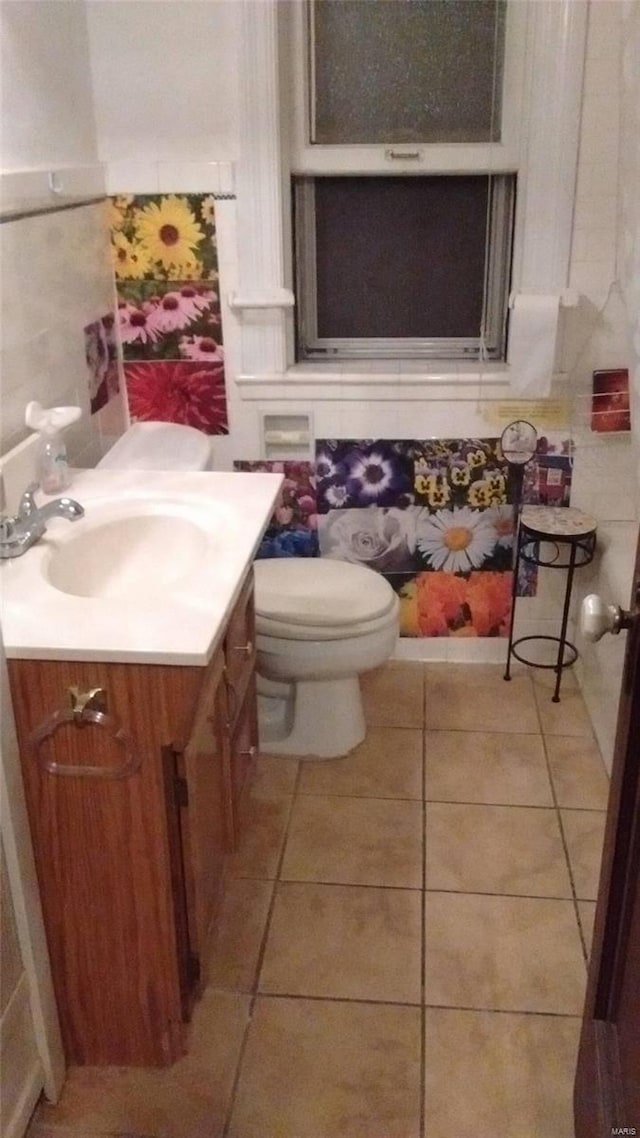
(51,464)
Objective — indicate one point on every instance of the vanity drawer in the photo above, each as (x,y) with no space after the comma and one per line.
(240,650)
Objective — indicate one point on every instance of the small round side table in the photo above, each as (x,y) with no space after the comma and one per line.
(571,536)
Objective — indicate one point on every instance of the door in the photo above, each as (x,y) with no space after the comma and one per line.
(208,817)
(607,1086)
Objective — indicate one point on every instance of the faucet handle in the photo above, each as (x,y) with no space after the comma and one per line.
(28,502)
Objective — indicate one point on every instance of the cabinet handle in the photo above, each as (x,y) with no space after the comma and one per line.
(233,703)
(250,754)
(246,648)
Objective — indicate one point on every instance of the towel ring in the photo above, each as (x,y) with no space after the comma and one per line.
(86,707)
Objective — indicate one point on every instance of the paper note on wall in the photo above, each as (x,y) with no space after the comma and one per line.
(533,327)
(544,414)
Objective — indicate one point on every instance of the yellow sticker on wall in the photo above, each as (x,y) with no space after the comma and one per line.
(543,413)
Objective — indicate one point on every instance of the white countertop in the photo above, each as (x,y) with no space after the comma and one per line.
(153,622)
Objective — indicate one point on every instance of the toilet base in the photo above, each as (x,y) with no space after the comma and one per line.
(321,719)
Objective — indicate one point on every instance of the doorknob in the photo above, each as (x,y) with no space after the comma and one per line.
(597,617)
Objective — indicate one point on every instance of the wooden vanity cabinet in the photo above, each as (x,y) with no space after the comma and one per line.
(131,848)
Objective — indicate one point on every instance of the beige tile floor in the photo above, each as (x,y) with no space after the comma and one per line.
(401,952)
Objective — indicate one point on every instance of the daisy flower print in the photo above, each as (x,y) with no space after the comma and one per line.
(456,540)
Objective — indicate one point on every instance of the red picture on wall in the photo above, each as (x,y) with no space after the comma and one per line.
(610,406)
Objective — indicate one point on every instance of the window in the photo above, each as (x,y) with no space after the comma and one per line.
(402,233)
(412,71)
(541,85)
(402,266)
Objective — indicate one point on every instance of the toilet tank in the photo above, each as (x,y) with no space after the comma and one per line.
(159,446)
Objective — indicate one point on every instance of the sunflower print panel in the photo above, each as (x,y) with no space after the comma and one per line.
(168,237)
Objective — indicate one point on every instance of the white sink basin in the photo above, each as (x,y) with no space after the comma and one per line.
(144,553)
(149,574)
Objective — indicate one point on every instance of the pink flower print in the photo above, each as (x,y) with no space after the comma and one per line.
(173,313)
(135,326)
(179,392)
(201,298)
(200,348)
(307,504)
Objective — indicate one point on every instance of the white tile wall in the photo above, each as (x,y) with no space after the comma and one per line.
(56,279)
(165,81)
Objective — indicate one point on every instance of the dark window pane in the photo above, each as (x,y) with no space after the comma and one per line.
(407,70)
(400,256)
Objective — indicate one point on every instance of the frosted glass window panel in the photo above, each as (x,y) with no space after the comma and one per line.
(398,71)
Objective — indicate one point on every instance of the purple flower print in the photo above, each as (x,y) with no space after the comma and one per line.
(326,467)
(375,477)
(365,473)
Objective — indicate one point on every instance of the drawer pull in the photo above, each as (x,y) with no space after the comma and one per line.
(246,648)
(249,754)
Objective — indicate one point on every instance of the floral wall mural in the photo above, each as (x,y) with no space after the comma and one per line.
(101,351)
(165,261)
(293,528)
(435,517)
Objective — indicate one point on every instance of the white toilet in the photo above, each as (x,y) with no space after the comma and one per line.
(159,446)
(319,623)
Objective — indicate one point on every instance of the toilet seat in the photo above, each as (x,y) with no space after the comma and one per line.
(302,599)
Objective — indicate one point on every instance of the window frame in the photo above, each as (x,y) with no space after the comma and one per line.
(551,81)
(306,157)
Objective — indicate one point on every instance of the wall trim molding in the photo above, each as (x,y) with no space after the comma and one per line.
(25,192)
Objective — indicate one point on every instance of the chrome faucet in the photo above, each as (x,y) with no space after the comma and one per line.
(19,533)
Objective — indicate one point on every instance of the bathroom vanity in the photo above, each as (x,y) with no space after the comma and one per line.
(136,760)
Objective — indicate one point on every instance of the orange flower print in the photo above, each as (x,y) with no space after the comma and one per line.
(409,610)
(489,602)
(440,598)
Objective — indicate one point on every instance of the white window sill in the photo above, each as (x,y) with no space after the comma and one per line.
(380,379)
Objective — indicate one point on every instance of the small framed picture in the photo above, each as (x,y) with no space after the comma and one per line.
(610,404)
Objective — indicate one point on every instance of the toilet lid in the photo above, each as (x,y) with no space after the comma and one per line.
(321,592)
(159,446)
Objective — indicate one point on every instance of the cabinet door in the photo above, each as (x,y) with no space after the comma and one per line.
(240,650)
(103,857)
(244,748)
(207,822)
